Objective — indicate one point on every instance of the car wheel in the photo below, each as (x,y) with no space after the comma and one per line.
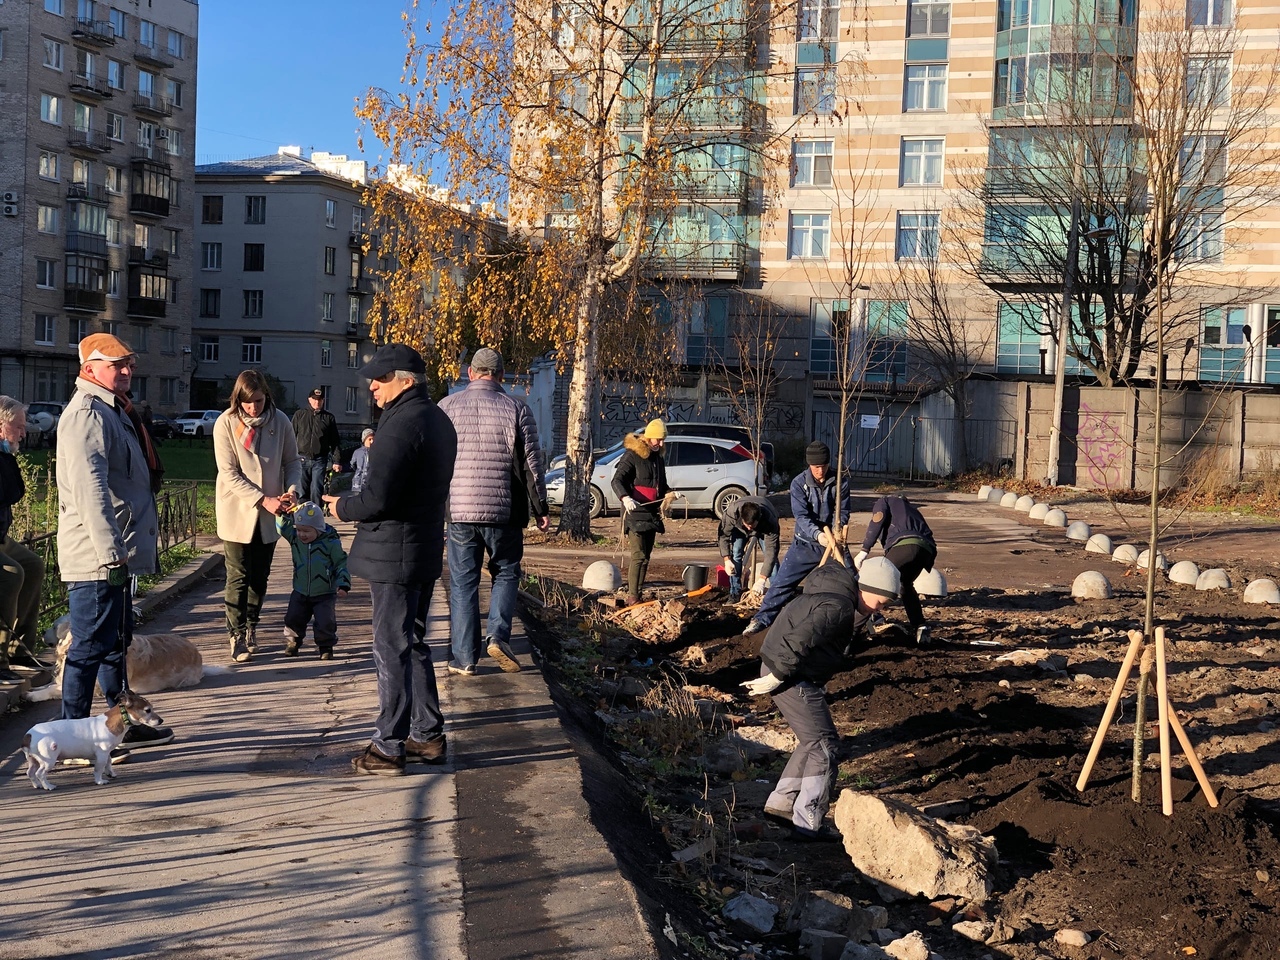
(199,433)
(727,498)
(597,503)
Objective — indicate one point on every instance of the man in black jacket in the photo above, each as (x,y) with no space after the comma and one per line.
(908,545)
(318,444)
(398,548)
(809,643)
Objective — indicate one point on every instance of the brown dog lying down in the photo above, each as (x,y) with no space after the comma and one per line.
(161,661)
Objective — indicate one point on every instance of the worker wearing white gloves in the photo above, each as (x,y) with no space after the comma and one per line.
(640,483)
(908,543)
(810,642)
(743,520)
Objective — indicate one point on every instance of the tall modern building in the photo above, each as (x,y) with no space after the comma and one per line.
(281,281)
(97,136)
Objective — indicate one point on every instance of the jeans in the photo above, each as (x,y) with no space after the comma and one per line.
(467,545)
(806,782)
(911,559)
(97,651)
(21,580)
(801,559)
(248,567)
(313,471)
(737,550)
(408,701)
(302,608)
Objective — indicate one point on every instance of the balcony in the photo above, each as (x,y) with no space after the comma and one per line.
(356,241)
(359,287)
(89,141)
(711,185)
(152,56)
(353,328)
(91,85)
(91,244)
(82,298)
(724,38)
(144,255)
(692,259)
(95,32)
(146,205)
(153,106)
(90,192)
(727,112)
(147,308)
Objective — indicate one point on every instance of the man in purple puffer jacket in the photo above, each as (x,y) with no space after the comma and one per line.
(497,486)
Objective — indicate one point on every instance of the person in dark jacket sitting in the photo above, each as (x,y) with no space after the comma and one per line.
(908,544)
(640,481)
(748,518)
(398,548)
(813,504)
(811,642)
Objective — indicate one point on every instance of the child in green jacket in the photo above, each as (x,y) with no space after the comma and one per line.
(319,577)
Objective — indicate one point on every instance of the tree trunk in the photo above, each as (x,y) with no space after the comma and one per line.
(575,516)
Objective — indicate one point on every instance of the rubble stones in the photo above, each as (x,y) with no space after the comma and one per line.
(976,930)
(1091,585)
(1213,579)
(822,944)
(1262,591)
(1184,572)
(1072,938)
(752,912)
(821,910)
(896,845)
(910,947)
(1098,543)
(865,951)
(759,742)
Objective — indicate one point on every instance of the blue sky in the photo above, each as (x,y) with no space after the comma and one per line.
(273,72)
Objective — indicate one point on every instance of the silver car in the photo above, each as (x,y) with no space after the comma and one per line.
(711,474)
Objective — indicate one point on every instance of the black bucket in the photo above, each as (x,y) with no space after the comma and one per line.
(695,577)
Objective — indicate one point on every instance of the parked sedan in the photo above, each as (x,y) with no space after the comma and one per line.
(198,423)
(710,472)
(163,428)
(677,428)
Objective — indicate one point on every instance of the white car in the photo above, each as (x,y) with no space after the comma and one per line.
(711,473)
(198,423)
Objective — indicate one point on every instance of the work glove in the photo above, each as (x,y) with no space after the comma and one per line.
(857,561)
(629,504)
(824,540)
(730,567)
(761,585)
(762,685)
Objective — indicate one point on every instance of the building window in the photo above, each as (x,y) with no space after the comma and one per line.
(326,308)
(168,391)
(117,20)
(46,218)
(326,353)
(77,330)
(50,108)
(81,117)
(211,209)
(1222,344)
(55,7)
(115,74)
(46,329)
(115,126)
(210,256)
(353,310)
(928,19)
(926,87)
(177,44)
(255,209)
(173,141)
(48,165)
(251,350)
(114,227)
(113,283)
(917,236)
(210,302)
(352,399)
(52,54)
(828,317)
(815,90)
(1208,13)
(46,274)
(1202,237)
(1020,340)
(819,20)
(921,163)
(255,257)
(807,236)
(330,260)
(115,179)
(357,266)
(353,359)
(142,235)
(811,162)
(172,240)
(173,92)
(146,34)
(169,340)
(253,303)
(174,283)
(357,218)
(209,349)
(330,213)
(1209,81)
(140,339)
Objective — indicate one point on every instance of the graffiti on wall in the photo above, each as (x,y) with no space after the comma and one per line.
(1100,442)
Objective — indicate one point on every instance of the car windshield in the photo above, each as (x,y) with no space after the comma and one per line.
(192,415)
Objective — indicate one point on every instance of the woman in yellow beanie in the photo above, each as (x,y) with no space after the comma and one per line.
(640,481)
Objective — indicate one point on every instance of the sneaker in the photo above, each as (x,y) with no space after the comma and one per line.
(631,599)
(824,834)
(431,750)
(326,653)
(139,737)
(754,625)
(251,637)
(240,650)
(501,652)
(922,636)
(880,626)
(468,671)
(376,764)
(291,647)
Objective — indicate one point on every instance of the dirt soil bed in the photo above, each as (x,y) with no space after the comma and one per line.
(954,723)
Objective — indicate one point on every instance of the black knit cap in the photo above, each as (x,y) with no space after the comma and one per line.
(817,454)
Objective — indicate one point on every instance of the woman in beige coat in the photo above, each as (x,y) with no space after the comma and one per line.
(259,473)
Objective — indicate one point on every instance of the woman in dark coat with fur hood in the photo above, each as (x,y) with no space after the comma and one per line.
(640,481)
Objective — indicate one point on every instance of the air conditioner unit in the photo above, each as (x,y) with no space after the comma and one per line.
(9,209)
(162,134)
(186,349)
(9,196)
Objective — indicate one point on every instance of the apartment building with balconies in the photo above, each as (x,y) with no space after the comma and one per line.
(97,135)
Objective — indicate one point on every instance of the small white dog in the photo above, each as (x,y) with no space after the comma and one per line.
(92,738)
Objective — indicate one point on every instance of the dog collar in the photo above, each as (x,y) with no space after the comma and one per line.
(128,720)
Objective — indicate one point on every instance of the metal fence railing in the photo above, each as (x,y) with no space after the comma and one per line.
(919,448)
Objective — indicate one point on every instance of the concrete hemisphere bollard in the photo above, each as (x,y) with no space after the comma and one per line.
(1091,585)
(983,491)
(1078,530)
(1038,511)
(1184,572)
(1162,564)
(1099,543)
(1262,591)
(1025,503)
(1125,553)
(1010,499)
(1213,579)
(931,583)
(603,576)
(1055,518)
(996,495)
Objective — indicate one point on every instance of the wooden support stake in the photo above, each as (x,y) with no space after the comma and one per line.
(1192,759)
(1135,644)
(1162,706)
